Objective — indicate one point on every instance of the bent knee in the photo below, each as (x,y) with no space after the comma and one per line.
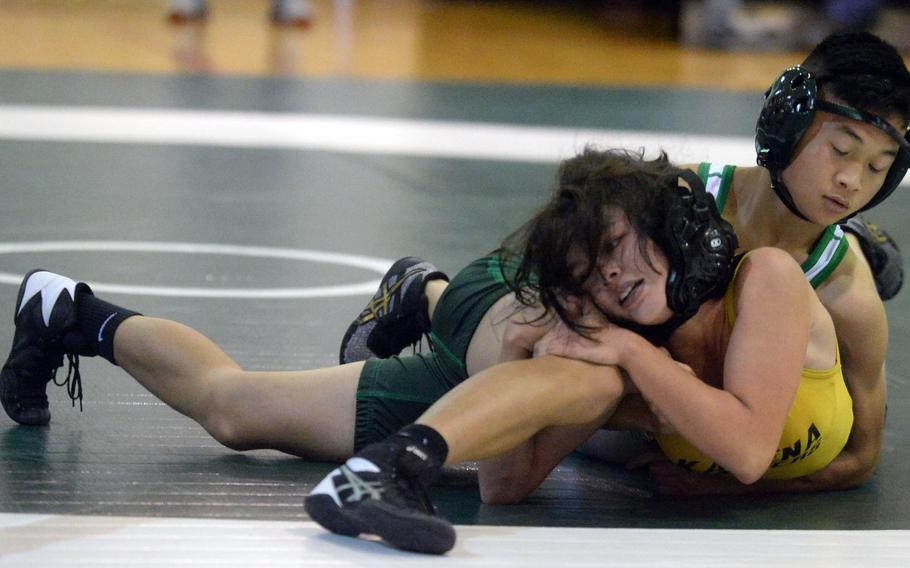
(228,432)
(596,393)
(226,417)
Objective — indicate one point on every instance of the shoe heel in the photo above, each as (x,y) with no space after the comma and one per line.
(408,531)
(323,510)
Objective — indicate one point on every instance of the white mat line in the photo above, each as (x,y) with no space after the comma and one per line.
(353,134)
(58,540)
(348,134)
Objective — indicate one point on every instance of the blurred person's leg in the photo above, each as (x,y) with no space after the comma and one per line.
(186,10)
(292,12)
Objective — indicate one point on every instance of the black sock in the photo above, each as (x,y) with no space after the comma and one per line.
(425,451)
(98,321)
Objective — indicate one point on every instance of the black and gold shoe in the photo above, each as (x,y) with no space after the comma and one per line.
(395,317)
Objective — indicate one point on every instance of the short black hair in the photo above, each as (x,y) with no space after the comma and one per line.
(864,71)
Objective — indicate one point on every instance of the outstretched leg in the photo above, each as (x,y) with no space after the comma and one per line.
(306,413)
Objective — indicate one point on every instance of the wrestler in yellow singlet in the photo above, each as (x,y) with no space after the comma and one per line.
(816,431)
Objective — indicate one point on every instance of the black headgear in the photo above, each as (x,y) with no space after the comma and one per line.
(789,107)
(699,246)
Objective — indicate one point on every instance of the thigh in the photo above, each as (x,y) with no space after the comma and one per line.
(305,413)
(394,392)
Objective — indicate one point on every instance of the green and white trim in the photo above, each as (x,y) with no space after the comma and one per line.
(717,179)
(829,250)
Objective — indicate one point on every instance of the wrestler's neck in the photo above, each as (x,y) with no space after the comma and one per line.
(702,340)
(760,218)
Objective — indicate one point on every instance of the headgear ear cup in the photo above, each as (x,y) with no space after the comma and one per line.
(700,245)
(786,114)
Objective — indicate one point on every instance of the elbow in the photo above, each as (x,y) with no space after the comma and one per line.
(848,478)
(748,476)
(751,467)
(865,467)
(861,477)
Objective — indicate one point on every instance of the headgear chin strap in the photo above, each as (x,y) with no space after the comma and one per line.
(789,107)
(699,246)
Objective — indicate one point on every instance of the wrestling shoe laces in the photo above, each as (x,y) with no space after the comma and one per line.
(73,380)
(45,313)
(396,315)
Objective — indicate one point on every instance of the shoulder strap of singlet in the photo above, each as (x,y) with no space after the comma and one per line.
(730,318)
(729,309)
(829,251)
(717,179)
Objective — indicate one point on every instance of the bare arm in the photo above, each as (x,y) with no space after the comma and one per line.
(850,297)
(773,302)
(862,332)
(511,477)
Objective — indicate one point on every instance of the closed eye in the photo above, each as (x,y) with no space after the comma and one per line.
(612,245)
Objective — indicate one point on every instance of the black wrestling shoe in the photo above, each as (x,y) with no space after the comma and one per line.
(370,494)
(882,253)
(396,315)
(45,312)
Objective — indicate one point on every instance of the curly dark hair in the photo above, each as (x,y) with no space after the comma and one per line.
(587,185)
(864,71)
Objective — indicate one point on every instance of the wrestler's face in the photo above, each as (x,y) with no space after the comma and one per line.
(838,166)
(624,284)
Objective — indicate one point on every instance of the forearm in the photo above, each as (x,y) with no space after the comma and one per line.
(513,476)
(703,414)
(845,472)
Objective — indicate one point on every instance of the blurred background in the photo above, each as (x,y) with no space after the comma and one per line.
(723,44)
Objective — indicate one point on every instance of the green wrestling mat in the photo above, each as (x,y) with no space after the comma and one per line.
(81,161)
